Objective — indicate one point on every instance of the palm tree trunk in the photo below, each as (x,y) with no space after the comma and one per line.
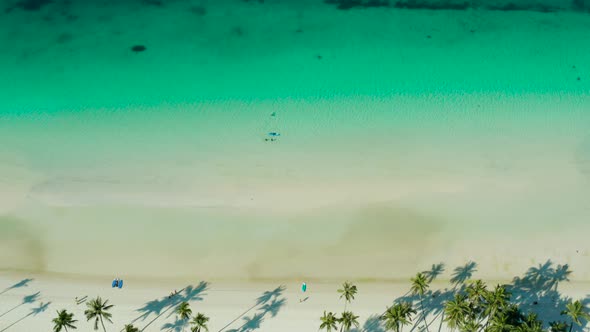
(442,319)
(423,314)
(368,328)
(571,326)
(101,323)
(245,312)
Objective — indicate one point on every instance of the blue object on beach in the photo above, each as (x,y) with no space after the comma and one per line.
(121,283)
(273,134)
(114,283)
(304,287)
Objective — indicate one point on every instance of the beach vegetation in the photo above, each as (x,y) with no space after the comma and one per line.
(130,328)
(184,312)
(199,323)
(348,291)
(329,321)
(347,321)
(64,320)
(397,316)
(419,286)
(98,310)
(474,306)
(576,312)
(558,326)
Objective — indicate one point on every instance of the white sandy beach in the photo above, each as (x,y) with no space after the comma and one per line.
(223,302)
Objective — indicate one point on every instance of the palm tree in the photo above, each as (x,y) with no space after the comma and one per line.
(500,322)
(397,316)
(199,323)
(476,292)
(184,312)
(347,321)
(98,310)
(471,326)
(531,323)
(328,322)
(63,320)
(456,311)
(348,291)
(576,311)
(419,287)
(558,326)
(495,300)
(130,328)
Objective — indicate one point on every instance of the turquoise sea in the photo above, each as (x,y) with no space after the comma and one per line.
(270,139)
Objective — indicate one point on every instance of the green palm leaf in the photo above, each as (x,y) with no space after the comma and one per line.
(199,323)
(64,320)
(329,321)
(348,291)
(348,320)
(131,328)
(398,316)
(98,310)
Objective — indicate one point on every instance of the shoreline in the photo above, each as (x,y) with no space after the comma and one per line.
(442,180)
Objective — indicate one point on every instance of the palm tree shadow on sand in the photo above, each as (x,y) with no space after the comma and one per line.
(177,326)
(34,312)
(190,294)
(263,300)
(372,324)
(463,273)
(537,292)
(433,300)
(273,307)
(534,292)
(435,271)
(270,302)
(161,306)
(250,323)
(22,283)
(26,300)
